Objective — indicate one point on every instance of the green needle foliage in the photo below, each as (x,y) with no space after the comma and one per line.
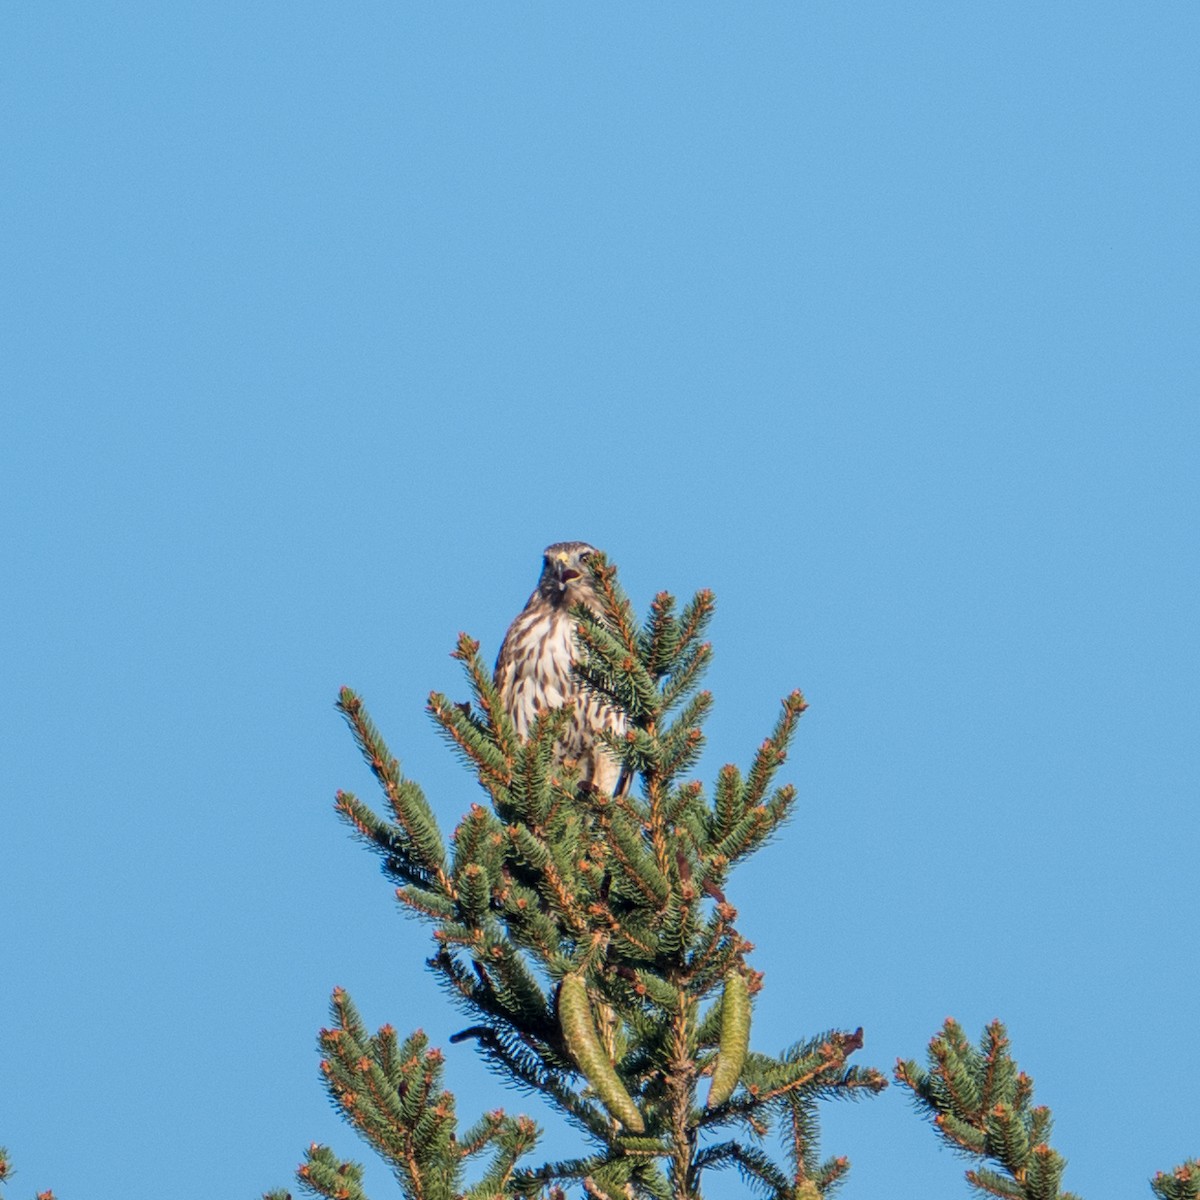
(1182,1184)
(982,1105)
(589,939)
(391,1092)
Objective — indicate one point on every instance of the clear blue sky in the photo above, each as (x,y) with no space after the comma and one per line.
(321,321)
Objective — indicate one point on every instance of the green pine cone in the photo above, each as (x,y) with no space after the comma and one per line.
(579,1030)
(735,1038)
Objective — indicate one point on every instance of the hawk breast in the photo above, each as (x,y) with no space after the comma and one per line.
(534,673)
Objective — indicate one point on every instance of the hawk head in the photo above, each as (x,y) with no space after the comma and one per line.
(565,577)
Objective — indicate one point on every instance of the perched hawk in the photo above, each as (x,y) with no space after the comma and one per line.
(533,670)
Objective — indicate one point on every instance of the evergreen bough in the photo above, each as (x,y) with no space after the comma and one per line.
(981,1104)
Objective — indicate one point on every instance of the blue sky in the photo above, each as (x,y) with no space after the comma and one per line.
(319,322)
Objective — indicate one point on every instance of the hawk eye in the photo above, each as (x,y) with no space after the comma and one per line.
(586,556)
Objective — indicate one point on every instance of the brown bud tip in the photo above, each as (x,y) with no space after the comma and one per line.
(853,1041)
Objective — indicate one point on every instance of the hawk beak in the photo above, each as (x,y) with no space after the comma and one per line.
(562,572)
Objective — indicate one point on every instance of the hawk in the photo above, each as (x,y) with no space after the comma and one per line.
(534,667)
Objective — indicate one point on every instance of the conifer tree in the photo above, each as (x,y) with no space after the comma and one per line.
(591,943)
